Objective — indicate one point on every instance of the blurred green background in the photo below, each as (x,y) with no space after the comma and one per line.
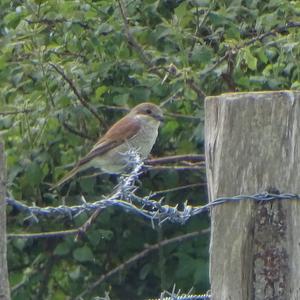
(116,54)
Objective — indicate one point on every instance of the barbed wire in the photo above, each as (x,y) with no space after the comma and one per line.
(125,198)
(146,207)
(183,297)
(170,296)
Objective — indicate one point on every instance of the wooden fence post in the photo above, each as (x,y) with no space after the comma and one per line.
(4,285)
(252,144)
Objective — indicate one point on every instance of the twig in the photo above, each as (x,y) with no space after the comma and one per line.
(45,272)
(132,41)
(183,187)
(139,256)
(82,100)
(175,159)
(114,108)
(173,115)
(55,234)
(176,168)
(15,112)
(52,22)
(31,271)
(191,82)
(216,64)
(180,116)
(88,223)
(76,132)
(233,51)
(198,27)
(146,58)
(38,235)
(67,53)
(278,29)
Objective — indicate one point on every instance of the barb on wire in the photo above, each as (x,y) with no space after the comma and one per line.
(182,296)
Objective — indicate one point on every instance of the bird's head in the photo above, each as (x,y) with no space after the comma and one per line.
(148,110)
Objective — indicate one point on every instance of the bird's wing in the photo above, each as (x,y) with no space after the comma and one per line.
(123,130)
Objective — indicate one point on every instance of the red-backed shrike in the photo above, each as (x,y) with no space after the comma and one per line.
(137,130)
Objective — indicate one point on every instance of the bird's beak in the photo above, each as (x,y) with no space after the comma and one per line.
(160,118)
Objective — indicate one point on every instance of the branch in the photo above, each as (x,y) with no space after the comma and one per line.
(76,132)
(139,256)
(38,235)
(53,22)
(233,51)
(146,58)
(176,168)
(45,272)
(194,158)
(83,229)
(15,112)
(191,82)
(56,234)
(82,100)
(198,27)
(132,41)
(179,188)
(172,115)
(278,29)
(180,116)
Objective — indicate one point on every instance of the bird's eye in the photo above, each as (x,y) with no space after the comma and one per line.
(148,111)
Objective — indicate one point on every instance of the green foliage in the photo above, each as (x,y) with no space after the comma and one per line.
(170,52)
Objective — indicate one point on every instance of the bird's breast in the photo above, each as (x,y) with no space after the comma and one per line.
(145,138)
(116,160)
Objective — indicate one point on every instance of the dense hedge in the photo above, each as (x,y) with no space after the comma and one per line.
(69,69)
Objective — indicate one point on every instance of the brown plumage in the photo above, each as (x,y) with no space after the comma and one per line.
(138,130)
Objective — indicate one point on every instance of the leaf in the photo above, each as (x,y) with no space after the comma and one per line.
(105,28)
(296,85)
(3,62)
(99,235)
(145,270)
(87,184)
(161,32)
(100,91)
(250,60)
(217,18)
(141,93)
(201,54)
(83,254)
(186,266)
(13,173)
(62,249)
(121,99)
(262,55)
(76,273)
(233,32)
(34,174)
(170,127)
(181,10)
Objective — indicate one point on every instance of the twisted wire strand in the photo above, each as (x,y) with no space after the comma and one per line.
(125,198)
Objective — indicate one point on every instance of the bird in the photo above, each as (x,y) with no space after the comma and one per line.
(137,130)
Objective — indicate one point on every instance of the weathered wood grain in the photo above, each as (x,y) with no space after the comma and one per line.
(253,143)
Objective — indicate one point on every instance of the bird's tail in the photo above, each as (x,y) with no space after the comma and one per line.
(67,177)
